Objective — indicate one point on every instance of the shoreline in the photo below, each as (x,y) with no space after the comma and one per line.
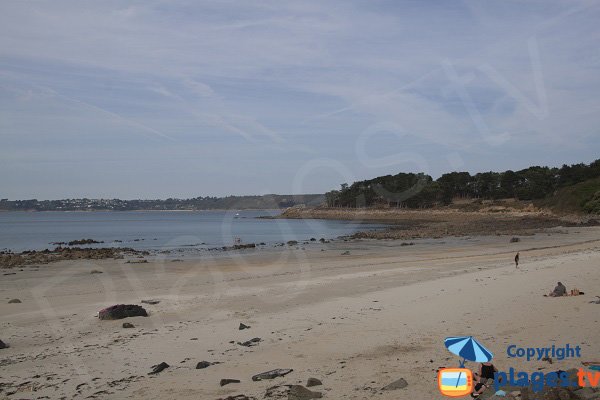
(393,224)
(358,316)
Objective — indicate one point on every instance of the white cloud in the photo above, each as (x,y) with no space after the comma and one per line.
(306,75)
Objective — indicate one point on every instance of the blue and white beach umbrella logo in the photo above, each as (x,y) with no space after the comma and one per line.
(458,382)
(468,348)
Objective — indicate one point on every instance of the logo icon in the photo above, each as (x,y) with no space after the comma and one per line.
(458,382)
(455,382)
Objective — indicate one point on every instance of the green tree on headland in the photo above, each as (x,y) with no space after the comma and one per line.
(412,190)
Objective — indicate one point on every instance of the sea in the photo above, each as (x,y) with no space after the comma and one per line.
(163,230)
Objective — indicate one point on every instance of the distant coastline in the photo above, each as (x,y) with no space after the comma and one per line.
(141,210)
(263,202)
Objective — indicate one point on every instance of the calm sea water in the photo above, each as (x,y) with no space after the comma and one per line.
(161,230)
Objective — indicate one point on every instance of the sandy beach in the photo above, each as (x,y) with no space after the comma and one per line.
(356,315)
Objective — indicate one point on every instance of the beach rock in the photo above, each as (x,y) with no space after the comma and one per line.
(95,271)
(3,345)
(203,364)
(299,392)
(587,393)
(346,253)
(271,374)
(399,384)
(293,392)
(313,239)
(14,301)
(121,311)
(495,397)
(292,242)
(549,393)
(277,392)
(32,257)
(127,325)
(152,301)
(82,241)
(238,247)
(238,397)
(251,342)
(158,368)
(243,326)
(313,382)
(244,246)
(515,239)
(228,381)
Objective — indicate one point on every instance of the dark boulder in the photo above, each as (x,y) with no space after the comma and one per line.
(313,382)
(203,364)
(243,326)
(291,392)
(299,392)
(127,325)
(228,381)
(399,384)
(3,345)
(14,301)
(271,374)
(251,342)
(158,368)
(121,311)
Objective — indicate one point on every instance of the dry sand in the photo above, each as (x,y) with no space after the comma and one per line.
(357,322)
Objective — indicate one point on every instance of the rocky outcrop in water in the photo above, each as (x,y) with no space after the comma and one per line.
(12,260)
(82,241)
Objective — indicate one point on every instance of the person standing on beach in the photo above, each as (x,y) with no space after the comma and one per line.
(517,260)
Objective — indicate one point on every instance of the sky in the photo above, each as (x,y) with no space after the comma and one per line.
(180,98)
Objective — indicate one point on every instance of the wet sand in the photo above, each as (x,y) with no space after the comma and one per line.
(444,222)
(356,321)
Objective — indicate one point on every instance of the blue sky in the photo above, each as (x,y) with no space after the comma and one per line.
(155,99)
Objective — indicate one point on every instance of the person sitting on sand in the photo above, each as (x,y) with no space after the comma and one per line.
(486,371)
(559,290)
(479,388)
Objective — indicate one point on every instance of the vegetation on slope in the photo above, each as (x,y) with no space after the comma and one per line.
(411,190)
(583,196)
